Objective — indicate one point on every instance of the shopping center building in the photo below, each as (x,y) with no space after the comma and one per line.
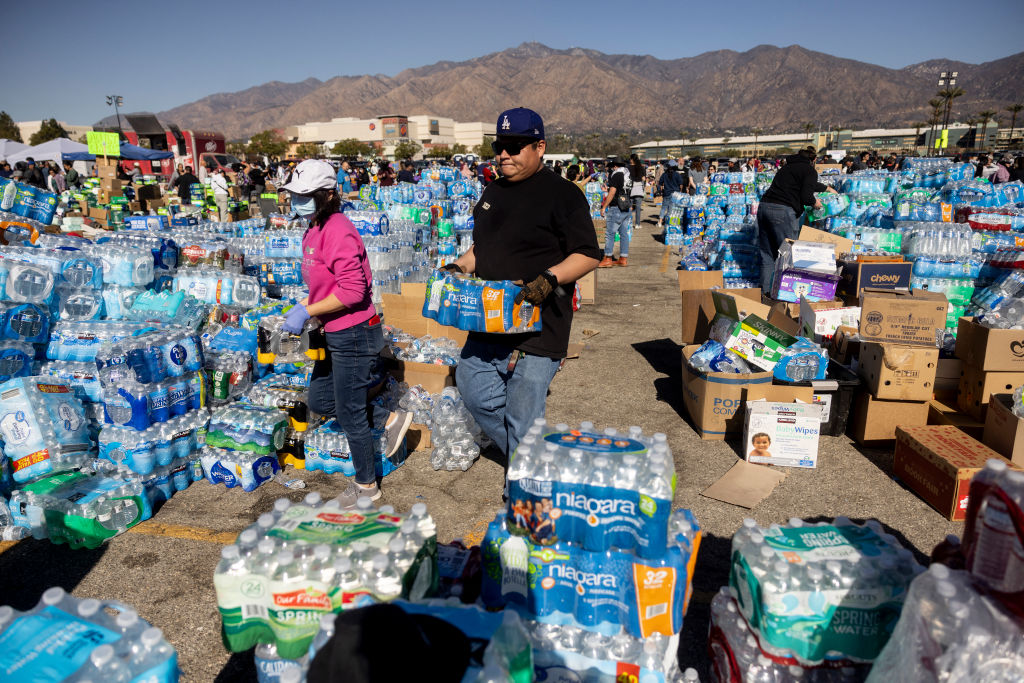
(385,132)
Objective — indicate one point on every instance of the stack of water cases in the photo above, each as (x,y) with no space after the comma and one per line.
(476,305)
(302,561)
(242,443)
(64,638)
(589,547)
(155,397)
(808,601)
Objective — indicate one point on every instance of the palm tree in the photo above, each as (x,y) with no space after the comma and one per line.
(1014,109)
(985,117)
(950,94)
(917,131)
(937,105)
(756,132)
(808,127)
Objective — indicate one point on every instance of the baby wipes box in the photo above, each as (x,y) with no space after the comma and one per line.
(784,434)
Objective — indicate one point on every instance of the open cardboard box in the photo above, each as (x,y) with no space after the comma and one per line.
(716,400)
(989,349)
(699,307)
(405,311)
(1004,431)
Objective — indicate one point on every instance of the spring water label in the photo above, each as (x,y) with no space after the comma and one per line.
(48,645)
(822,543)
(515,561)
(302,523)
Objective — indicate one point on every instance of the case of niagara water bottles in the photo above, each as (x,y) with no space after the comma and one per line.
(304,560)
(64,638)
(476,305)
(820,591)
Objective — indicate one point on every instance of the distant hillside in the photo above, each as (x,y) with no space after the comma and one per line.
(579,90)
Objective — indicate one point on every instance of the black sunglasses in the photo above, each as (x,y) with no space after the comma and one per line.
(513,147)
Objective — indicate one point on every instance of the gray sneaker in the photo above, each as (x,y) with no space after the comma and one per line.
(353,492)
(396,427)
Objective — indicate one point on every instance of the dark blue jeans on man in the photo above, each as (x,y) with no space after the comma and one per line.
(339,387)
(775,224)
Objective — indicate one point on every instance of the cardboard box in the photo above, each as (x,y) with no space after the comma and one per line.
(105,171)
(148,192)
(989,349)
(98,213)
(698,305)
(405,311)
(947,379)
(433,378)
(588,287)
(819,320)
(898,373)
(873,420)
(942,413)
(841,244)
(819,257)
(976,386)
(1004,431)
(418,438)
(715,400)
(857,275)
(845,346)
(917,318)
(829,169)
(937,463)
(784,434)
(758,342)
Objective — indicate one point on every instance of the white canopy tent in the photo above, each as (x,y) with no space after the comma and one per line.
(8,147)
(53,150)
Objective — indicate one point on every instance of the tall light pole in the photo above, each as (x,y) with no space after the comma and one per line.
(947,80)
(117,101)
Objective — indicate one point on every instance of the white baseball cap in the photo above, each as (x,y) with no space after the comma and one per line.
(312,175)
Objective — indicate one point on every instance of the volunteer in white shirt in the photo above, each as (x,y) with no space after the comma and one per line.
(220,193)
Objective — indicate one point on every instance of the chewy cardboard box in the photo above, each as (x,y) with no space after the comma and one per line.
(715,400)
(897,372)
(699,307)
(858,275)
(1004,431)
(784,434)
(989,349)
(937,463)
(874,420)
(976,386)
(917,318)
(819,320)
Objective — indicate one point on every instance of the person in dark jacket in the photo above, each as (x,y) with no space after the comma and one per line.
(778,213)
(33,176)
(184,184)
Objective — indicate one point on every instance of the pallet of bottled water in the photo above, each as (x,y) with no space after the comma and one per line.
(607,591)
(818,590)
(64,638)
(43,427)
(953,630)
(303,560)
(738,654)
(83,508)
(599,489)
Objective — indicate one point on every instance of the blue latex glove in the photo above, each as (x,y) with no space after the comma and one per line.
(294,319)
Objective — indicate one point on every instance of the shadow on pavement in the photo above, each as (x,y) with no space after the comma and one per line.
(664,356)
(31,566)
(880,457)
(711,573)
(240,667)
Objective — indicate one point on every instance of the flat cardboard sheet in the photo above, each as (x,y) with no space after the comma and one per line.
(745,485)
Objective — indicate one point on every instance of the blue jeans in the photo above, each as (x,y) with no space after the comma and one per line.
(775,224)
(504,403)
(638,203)
(616,222)
(339,386)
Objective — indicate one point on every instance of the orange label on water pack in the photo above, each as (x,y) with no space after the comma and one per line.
(654,590)
(31,459)
(494,309)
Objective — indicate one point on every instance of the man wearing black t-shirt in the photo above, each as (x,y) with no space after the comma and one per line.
(532,226)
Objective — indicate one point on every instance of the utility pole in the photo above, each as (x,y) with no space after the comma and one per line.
(117,101)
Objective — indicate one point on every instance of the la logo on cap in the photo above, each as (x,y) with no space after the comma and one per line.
(505,125)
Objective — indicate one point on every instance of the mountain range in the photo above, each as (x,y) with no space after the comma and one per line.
(579,90)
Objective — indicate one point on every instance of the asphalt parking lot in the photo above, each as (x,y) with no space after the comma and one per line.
(629,373)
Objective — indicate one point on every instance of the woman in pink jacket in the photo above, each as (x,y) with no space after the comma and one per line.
(337,271)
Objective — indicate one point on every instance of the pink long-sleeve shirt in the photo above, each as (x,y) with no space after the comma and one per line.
(334,261)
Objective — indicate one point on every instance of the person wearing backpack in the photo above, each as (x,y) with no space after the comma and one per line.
(617,210)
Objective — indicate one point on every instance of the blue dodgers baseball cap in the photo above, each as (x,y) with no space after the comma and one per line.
(520,123)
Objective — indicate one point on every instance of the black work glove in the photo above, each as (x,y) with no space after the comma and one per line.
(538,289)
(452,268)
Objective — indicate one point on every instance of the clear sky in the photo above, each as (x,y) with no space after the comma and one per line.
(64,57)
